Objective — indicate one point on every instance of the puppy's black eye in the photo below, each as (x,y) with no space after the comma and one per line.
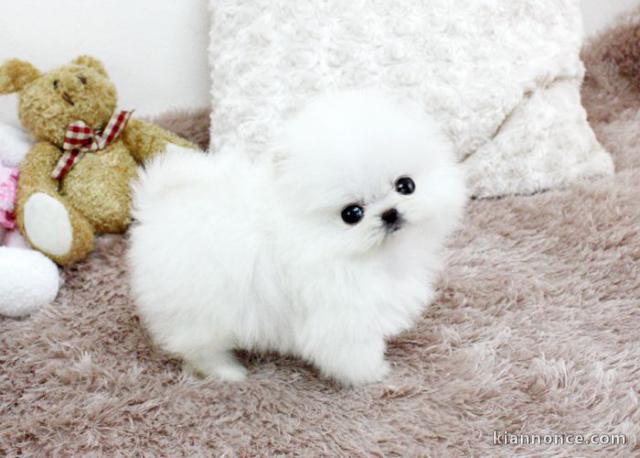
(82,79)
(56,83)
(405,185)
(352,214)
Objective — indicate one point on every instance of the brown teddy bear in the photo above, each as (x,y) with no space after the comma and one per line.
(74,182)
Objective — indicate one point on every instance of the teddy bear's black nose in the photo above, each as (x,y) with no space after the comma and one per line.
(391,218)
(67,98)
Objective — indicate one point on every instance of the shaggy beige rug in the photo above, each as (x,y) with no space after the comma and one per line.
(535,331)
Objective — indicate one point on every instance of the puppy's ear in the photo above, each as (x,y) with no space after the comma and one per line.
(15,75)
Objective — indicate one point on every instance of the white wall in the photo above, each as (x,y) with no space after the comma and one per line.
(155,50)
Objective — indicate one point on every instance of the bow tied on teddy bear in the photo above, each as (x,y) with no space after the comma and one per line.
(74,182)
(81,138)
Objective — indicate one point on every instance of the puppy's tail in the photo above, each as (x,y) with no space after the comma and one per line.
(166,175)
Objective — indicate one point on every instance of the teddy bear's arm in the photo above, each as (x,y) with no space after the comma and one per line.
(144,139)
(37,166)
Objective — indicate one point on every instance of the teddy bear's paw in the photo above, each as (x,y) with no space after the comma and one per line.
(47,224)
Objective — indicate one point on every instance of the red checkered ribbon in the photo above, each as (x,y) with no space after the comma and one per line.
(81,139)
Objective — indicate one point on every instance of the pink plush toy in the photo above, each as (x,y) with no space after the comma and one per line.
(28,279)
(8,191)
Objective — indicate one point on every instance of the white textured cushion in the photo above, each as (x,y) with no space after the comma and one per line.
(502,76)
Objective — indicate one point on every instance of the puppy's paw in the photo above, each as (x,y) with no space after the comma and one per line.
(355,365)
(222,367)
(359,375)
(231,373)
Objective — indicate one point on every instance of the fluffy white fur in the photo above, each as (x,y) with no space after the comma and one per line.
(228,254)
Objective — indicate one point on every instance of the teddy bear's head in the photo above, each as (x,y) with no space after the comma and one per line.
(49,102)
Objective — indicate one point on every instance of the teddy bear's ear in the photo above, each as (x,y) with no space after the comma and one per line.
(91,62)
(16,74)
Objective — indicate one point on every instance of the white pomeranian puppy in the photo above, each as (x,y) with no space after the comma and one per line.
(322,249)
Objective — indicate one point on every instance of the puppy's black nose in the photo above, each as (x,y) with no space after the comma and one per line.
(390,217)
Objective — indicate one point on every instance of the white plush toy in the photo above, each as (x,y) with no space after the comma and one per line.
(28,279)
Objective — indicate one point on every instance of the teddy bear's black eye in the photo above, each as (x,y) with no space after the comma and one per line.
(56,83)
(82,79)
(405,185)
(352,214)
